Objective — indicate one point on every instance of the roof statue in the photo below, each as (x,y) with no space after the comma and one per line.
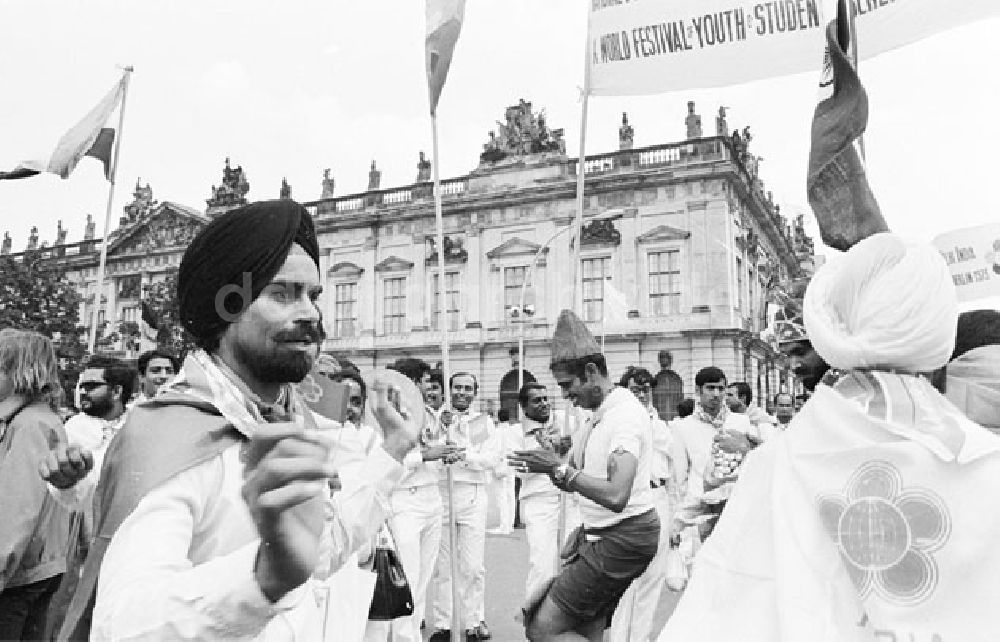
(721,126)
(232,193)
(7,243)
(423,169)
(626,134)
(328,184)
(286,189)
(88,232)
(521,134)
(693,122)
(33,238)
(142,203)
(61,233)
(374,177)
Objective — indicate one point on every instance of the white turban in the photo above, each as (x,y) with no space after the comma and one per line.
(974,385)
(883,305)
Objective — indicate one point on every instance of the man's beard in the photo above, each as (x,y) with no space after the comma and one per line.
(539,417)
(98,407)
(276,365)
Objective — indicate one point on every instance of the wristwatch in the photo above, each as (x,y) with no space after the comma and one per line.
(559,473)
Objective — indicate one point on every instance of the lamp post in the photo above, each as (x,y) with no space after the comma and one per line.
(522,313)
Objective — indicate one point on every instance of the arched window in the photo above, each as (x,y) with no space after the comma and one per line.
(669,392)
(508,392)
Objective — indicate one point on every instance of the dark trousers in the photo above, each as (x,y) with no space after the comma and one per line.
(23,609)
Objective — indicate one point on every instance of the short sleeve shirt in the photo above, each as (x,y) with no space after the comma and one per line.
(620,422)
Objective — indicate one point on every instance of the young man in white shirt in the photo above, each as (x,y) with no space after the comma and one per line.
(417,509)
(216,518)
(539,497)
(479,453)
(609,468)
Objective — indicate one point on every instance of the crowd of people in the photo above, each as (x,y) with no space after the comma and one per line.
(208,499)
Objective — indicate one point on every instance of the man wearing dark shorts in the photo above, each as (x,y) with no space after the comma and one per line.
(609,468)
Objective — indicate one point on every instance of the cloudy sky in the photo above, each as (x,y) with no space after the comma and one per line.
(287,89)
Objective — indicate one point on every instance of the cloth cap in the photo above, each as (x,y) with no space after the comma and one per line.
(572,339)
(240,250)
(884,305)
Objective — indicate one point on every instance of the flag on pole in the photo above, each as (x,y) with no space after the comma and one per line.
(838,190)
(444,23)
(90,137)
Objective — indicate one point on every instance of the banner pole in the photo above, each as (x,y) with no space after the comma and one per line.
(446,376)
(92,338)
(581,171)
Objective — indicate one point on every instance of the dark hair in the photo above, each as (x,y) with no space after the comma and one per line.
(149,355)
(640,376)
(976,328)
(410,367)
(355,376)
(503,415)
(475,382)
(578,367)
(437,377)
(685,407)
(743,391)
(709,374)
(525,391)
(116,373)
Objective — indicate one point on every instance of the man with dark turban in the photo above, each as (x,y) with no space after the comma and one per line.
(215,517)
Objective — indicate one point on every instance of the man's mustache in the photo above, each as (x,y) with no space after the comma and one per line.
(313,333)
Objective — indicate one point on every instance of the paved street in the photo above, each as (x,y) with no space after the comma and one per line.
(506,568)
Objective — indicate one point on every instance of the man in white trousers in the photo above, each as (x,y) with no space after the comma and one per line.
(480,452)
(417,509)
(635,618)
(540,510)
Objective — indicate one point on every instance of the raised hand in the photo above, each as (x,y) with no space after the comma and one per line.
(65,466)
(287,470)
(398,407)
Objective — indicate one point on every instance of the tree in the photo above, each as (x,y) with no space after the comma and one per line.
(36,296)
(161,312)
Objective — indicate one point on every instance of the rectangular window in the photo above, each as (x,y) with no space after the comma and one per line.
(130,314)
(452,297)
(739,284)
(345,315)
(513,281)
(394,305)
(129,286)
(595,273)
(664,283)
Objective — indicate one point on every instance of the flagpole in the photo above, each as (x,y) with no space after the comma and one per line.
(446,377)
(581,170)
(92,339)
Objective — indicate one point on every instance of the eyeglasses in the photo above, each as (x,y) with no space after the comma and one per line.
(92,385)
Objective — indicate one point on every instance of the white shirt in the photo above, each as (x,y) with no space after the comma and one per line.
(620,422)
(663,442)
(421,473)
(693,441)
(181,565)
(475,432)
(534,483)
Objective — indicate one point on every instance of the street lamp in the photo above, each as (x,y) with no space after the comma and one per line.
(523,314)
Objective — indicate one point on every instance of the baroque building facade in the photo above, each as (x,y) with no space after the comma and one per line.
(681,245)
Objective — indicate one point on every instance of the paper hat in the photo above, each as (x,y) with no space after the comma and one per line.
(572,339)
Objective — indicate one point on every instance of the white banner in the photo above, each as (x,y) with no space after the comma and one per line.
(973,256)
(655,46)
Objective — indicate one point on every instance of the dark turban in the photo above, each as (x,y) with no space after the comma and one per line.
(252,240)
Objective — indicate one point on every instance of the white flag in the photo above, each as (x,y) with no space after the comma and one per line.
(90,137)
(615,306)
(444,23)
(656,46)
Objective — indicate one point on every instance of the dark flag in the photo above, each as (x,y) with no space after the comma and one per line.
(838,190)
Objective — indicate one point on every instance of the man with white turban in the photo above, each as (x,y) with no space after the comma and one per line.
(868,520)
